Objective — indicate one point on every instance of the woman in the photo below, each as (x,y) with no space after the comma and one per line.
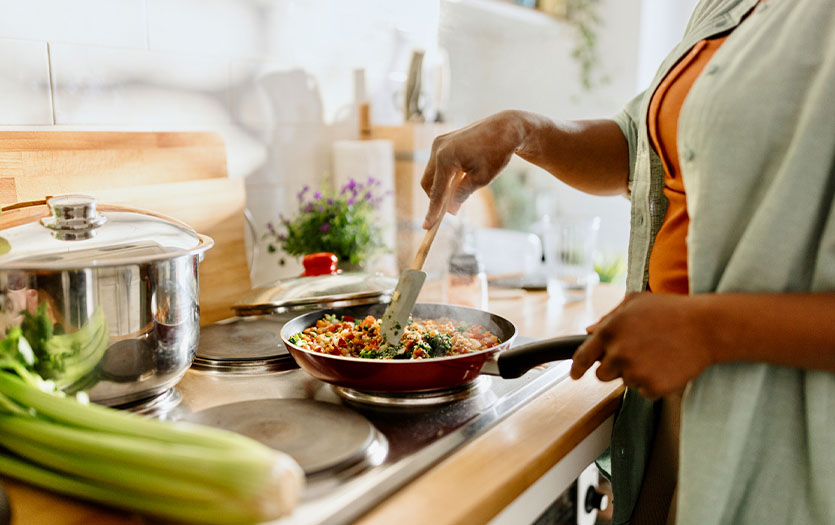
(729,161)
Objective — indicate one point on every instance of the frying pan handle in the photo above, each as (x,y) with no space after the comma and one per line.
(518,360)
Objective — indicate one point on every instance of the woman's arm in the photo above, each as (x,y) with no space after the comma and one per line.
(590,155)
(658,343)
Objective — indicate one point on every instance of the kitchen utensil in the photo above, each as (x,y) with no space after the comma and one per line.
(569,244)
(288,298)
(412,110)
(411,280)
(415,375)
(121,284)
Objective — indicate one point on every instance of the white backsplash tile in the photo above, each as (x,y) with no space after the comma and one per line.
(100,86)
(329,39)
(214,27)
(24,83)
(118,23)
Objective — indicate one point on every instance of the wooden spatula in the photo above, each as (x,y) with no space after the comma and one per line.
(411,279)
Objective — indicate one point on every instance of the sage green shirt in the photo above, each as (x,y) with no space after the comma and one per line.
(756,141)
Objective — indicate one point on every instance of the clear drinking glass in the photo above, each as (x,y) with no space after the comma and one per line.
(569,256)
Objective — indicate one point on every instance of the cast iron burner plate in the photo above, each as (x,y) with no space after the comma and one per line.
(241,338)
(243,345)
(319,436)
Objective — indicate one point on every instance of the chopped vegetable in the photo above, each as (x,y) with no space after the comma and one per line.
(172,470)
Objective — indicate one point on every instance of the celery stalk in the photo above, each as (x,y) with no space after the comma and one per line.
(140,480)
(95,417)
(178,510)
(239,471)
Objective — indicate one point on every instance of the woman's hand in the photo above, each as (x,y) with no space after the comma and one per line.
(590,155)
(656,342)
(481,150)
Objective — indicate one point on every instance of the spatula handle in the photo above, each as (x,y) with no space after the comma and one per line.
(420,256)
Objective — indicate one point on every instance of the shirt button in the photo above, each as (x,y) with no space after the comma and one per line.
(711,69)
(641,220)
(689,155)
(622,452)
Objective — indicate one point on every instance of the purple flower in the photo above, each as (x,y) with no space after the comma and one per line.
(300,195)
(320,208)
(317,195)
(282,237)
(325,227)
(372,180)
(351,201)
(309,207)
(330,202)
(368,196)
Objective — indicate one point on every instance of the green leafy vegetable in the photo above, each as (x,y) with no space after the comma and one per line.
(65,358)
(439,345)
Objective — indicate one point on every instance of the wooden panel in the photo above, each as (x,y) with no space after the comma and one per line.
(8,190)
(213,207)
(182,175)
(55,162)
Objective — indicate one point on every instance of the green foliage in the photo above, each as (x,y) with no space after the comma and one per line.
(343,224)
(611,269)
(582,14)
(514,195)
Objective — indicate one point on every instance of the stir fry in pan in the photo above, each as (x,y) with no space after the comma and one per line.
(422,338)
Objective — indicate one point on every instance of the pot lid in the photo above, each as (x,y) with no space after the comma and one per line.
(72,231)
(317,292)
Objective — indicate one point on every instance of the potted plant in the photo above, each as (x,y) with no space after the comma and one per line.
(343,223)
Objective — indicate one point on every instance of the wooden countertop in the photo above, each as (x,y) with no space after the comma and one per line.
(475,483)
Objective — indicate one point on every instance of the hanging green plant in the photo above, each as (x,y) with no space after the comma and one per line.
(583,15)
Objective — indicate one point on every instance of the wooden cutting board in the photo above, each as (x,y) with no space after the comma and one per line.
(182,175)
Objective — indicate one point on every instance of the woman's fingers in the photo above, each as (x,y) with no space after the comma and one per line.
(609,370)
(465,188)
(444,177)
(585,356)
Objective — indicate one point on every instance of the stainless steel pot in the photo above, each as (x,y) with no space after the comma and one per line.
(117,287)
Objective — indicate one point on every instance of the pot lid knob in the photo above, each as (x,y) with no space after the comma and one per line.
(320,263)
(74,217)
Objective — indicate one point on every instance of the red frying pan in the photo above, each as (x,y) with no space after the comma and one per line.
(416,375)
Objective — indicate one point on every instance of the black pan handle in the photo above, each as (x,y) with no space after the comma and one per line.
(518,360)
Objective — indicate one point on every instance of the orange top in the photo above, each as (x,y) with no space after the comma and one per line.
(668,260)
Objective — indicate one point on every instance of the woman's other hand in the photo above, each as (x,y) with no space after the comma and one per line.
(481,150)
(658,343)
(655,342)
